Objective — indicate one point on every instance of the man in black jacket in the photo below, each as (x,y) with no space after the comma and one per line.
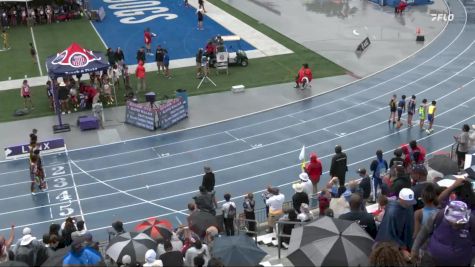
(364,219)
(208,179)
(339,166)
(365,184)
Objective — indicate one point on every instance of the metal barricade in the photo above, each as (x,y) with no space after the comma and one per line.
(242,225)
(279,234)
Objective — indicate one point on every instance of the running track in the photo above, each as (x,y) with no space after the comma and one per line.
(157,176)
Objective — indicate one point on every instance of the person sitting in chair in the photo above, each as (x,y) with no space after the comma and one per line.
(304,76)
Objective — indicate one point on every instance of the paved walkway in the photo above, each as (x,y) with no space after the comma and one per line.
(203,109)
(206,109)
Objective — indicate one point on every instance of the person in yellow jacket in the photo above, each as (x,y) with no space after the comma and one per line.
(431,115)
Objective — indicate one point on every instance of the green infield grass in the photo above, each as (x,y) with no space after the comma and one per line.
(53,38)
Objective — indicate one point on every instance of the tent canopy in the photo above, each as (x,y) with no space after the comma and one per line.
(75,60)
(12,1)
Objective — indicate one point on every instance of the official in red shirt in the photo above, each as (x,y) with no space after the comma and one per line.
(147,37)
(314,170)
(140,75)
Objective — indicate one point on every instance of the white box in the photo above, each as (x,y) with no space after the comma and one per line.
(238,88)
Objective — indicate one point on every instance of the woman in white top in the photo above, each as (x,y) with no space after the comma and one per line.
(305,214)
(196,250)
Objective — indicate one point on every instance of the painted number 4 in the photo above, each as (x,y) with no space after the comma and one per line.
(64,196)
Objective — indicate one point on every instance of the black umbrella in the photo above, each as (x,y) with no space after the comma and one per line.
(330,242)
(131,243)
(201,220)
(56,258)
(443,164)
(238,250)
(14,264)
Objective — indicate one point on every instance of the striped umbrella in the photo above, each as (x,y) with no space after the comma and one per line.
(131,243)
(329,242)
(155,228)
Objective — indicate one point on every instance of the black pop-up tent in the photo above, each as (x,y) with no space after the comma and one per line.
(73,60)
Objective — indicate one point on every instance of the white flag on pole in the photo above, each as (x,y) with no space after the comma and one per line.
(302,153)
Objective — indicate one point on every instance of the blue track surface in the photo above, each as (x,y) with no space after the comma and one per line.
(176,31)
(157,176)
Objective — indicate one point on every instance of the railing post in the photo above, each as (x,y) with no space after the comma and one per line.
(277,230)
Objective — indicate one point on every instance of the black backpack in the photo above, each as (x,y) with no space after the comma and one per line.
(231,211)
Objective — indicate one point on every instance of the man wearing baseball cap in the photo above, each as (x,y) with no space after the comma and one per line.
(450,235)
(398,222)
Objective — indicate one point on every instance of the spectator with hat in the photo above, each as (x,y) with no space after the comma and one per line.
(307,184)
(29,250)
(450,236)
(299,197)
(314,171)
(398,222)
(151,259)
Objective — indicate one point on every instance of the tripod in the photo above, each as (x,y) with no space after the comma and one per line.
(205,74)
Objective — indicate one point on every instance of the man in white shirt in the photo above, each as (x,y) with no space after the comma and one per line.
(229,213)
(275,203)
(307,186)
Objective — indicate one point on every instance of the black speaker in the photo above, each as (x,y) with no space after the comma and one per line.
(150,97)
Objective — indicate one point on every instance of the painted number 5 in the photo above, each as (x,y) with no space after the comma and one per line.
(65,210)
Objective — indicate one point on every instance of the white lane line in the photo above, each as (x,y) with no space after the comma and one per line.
(328,131)
(324,104)
(37,52)
(125,193)
(292,166)
(98,35)
(142,149)
(284,168)
(26,170)
(445,127)
(293,137)
(50,209)
(293,117)
(297,101)
(248,163)
(335,112)
(29,182)
(254,124)
(242,196)
(74,185)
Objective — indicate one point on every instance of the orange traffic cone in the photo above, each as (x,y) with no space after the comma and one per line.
(419,35)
